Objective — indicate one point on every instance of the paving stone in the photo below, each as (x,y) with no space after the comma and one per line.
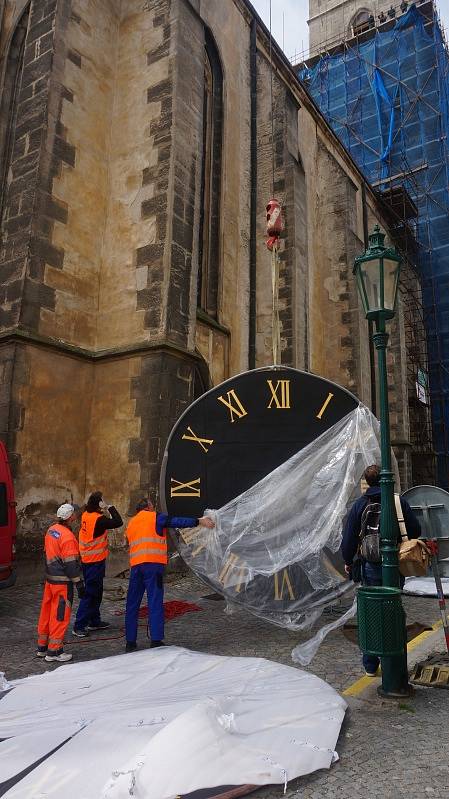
(387,750)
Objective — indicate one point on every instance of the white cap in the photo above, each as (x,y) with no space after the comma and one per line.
(65,511)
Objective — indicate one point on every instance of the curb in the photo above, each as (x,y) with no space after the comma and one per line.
(426,643)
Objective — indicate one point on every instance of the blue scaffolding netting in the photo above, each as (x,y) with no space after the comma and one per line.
(387,98)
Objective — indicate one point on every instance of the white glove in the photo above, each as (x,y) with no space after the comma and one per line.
(103,505)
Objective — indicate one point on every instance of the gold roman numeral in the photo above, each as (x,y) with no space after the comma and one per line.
(325,404)
(280,394)
(236,408)
(232,564)
(200,441)
(190,537)
(191,489)
(286,583)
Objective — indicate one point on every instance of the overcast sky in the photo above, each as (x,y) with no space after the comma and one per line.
(293,36)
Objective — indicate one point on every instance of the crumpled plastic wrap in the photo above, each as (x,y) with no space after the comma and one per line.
(274,548)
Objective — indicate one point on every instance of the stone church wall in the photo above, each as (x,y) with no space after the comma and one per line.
(102,342)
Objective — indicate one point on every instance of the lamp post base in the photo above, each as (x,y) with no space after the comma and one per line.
(395,682)
(404,693)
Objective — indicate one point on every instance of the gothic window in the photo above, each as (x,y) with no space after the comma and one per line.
(209,228)
(9,100)
(362,21)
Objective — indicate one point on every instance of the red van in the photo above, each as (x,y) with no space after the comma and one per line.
(8,520)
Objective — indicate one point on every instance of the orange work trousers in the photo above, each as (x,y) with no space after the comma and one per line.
(54,617)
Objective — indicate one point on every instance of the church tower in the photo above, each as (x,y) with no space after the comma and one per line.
(331,21)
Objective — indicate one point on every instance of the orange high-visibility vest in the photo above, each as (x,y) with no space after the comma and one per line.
(92,549)
(145,545)
(61,548)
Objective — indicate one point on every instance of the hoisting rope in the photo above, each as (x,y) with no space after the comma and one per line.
(272,114)
(274,230)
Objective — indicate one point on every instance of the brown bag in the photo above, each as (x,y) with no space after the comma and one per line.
(414,557)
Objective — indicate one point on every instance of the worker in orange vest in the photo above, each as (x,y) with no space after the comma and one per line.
(63,571)
(147,539)
(93,540)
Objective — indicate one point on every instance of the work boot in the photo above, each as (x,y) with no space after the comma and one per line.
(80,633)
(63,657)
(40,653)
(156,643)
(102,625)
(131,646)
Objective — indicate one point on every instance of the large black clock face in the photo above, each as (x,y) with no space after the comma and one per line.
(227,441)
(240,431)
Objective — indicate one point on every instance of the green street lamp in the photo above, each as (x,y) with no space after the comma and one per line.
(377,275)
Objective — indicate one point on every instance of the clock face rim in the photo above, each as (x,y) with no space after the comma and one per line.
(220,386)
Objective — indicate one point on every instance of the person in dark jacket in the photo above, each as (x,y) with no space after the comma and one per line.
(371,572)
(97,519)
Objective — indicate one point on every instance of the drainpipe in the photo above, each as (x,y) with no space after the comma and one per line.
(253,199)
(370,324)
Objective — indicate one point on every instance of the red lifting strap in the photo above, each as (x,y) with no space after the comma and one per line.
(274,222)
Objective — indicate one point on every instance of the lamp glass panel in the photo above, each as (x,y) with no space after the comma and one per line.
(370,275)
(391,274)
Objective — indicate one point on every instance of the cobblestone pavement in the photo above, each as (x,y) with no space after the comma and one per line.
(388,750)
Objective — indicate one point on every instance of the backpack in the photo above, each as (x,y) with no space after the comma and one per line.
(370,533)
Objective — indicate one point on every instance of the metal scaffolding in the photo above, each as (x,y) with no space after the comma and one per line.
(386,94)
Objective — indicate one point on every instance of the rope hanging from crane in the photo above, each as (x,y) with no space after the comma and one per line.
(274,230)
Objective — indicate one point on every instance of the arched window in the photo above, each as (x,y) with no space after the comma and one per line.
(209,228)
(9,100)
(201,378)
(361,22)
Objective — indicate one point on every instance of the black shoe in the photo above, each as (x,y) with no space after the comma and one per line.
(102,625)
(156,643)
(80,633)
(131,646)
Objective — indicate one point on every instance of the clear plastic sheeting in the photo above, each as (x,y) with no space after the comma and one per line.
(162,723)
(274,549)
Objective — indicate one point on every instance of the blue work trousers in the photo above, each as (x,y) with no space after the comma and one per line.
(89,606)
(147,577)
(372,575)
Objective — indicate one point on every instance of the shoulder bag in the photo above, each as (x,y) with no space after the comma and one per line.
(414,556)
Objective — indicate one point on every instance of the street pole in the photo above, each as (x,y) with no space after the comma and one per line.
(394,668)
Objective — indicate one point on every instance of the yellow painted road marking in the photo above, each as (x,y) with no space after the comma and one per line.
(422,636)
(359,685)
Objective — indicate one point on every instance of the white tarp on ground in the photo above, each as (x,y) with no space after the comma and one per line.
(424,586)
(161,723)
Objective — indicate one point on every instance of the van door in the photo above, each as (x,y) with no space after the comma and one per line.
(8,521)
